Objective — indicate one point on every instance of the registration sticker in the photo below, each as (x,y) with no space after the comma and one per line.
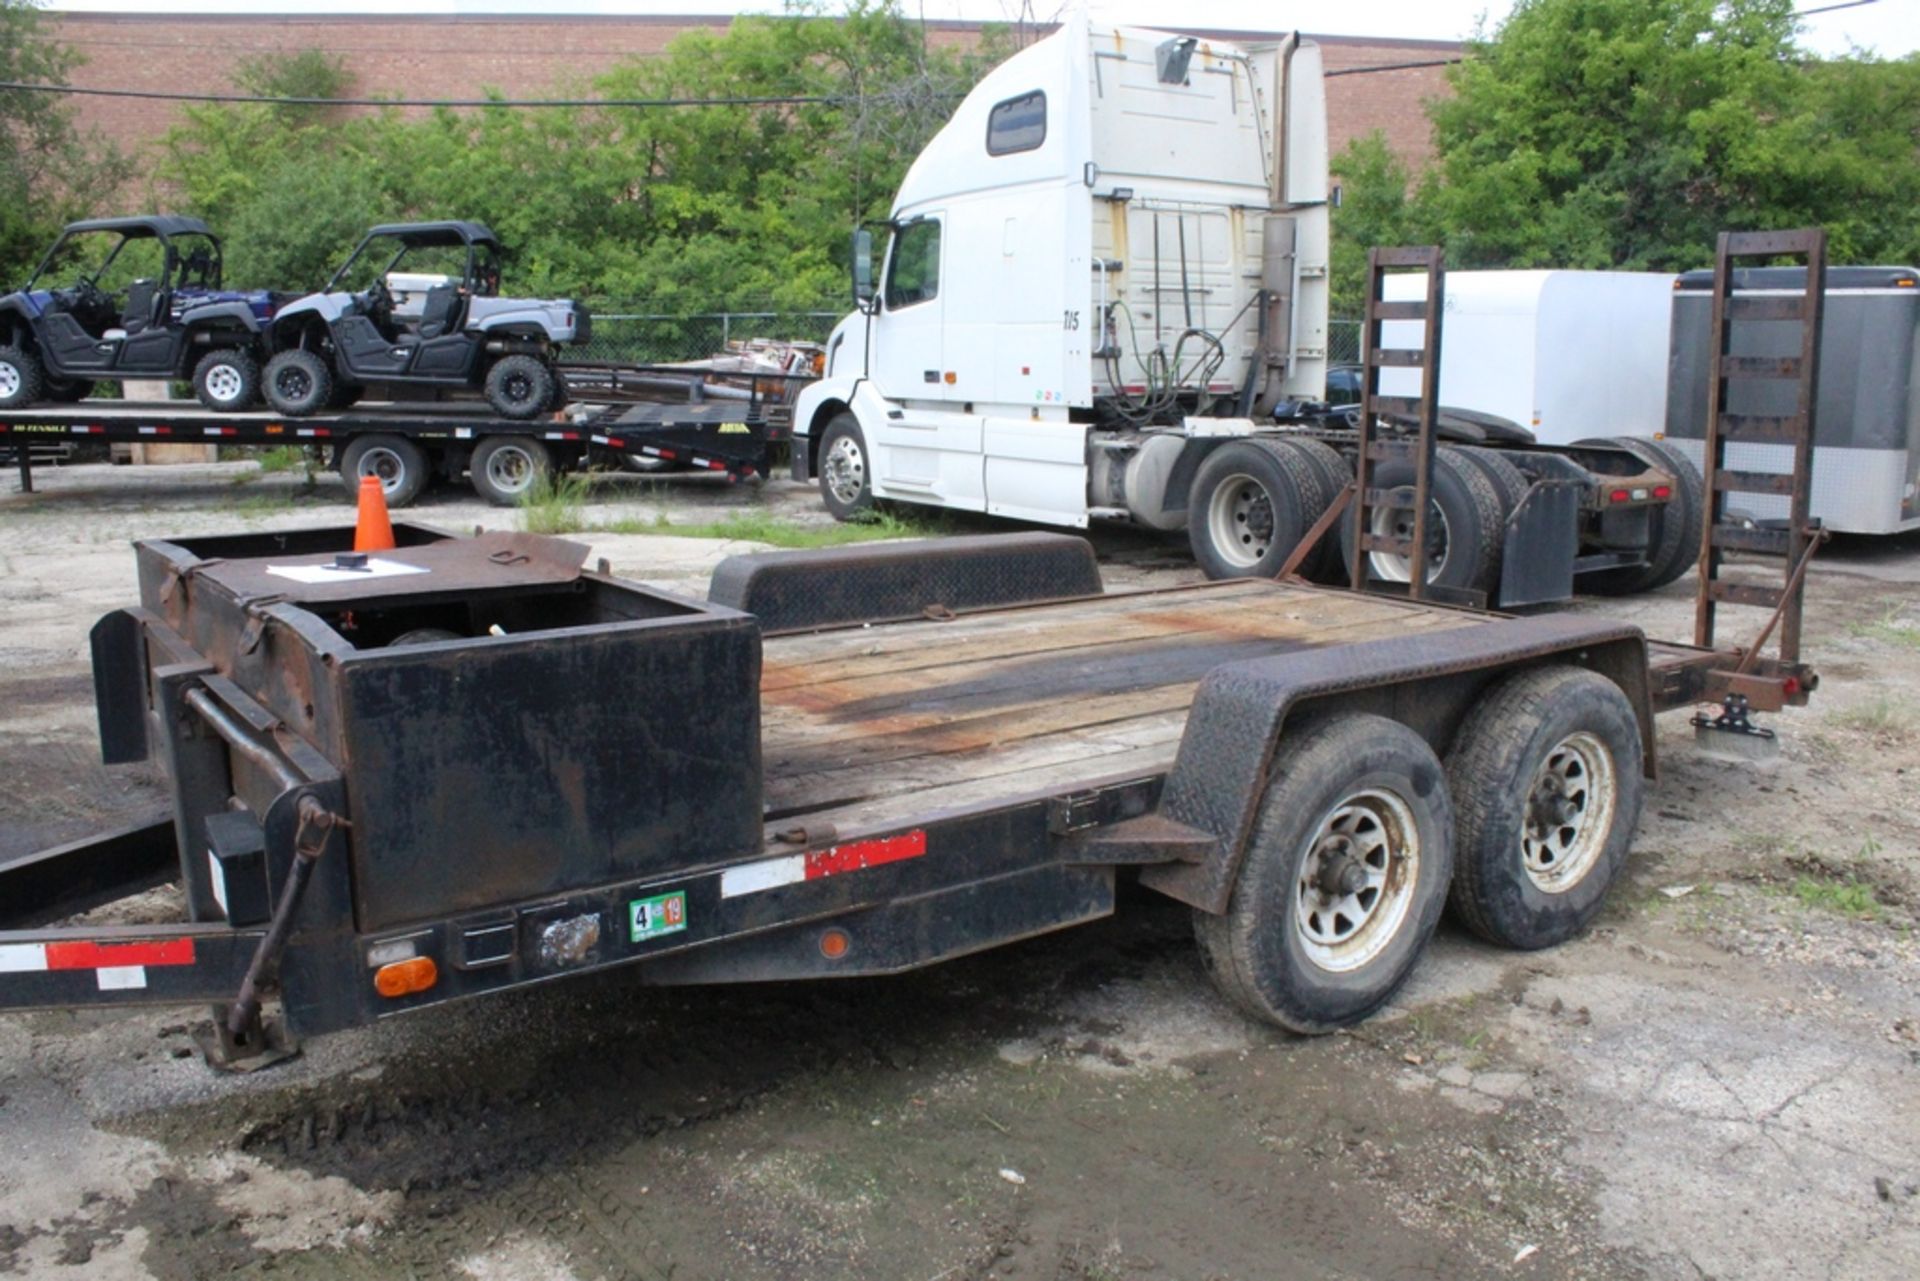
(649,918)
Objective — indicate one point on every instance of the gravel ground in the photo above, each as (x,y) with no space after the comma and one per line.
(1722,1079)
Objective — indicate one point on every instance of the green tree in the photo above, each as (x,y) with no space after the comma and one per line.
(50,172)
(1628,133)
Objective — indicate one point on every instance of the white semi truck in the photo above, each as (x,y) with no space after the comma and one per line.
(1105,298)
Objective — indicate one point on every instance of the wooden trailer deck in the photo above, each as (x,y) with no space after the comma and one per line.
(874,727)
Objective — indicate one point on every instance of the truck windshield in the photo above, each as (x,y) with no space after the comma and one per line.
(913,273)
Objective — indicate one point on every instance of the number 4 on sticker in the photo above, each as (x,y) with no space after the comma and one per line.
(651,917)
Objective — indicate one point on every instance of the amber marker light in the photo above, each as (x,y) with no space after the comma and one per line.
(404,978)
(834,944)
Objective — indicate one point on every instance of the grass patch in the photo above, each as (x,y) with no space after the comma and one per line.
(1848,898)
(281,458)
(1884,715)
(1888,629)
(556,504)
(760,527)
(262,505)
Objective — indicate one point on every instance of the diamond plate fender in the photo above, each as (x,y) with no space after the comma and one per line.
(875,582)
(1428,682)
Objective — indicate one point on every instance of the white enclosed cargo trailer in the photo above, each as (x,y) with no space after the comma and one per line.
(1570,355)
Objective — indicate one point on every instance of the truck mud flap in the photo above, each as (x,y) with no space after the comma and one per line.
(879,582)
(1426,682)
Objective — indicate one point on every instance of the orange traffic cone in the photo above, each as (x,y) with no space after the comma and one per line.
(373,532)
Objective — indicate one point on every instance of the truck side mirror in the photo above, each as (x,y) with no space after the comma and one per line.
(863,266)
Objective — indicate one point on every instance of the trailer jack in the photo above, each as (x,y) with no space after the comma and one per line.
(261,1042)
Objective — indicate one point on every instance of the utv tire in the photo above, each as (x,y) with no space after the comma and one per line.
(399,465)
(846,482)
(521,387)
(1547,787)
(1344,879)
(345,396)
(1464,543)
(298,383)
(1249,504)
(22,381)
(227,381)
(68,391)
(506,469)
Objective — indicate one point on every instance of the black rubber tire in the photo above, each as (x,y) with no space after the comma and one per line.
(505,469)
(69,391)
(1322,565)
(1255,952)
(400,464)
(298,383)
(28,380)
(1475,524)
(1508,481)
(856,496)
(521,387)
(246,378)
(1256,542)
(1493,766)
(1674,543)
(344,396)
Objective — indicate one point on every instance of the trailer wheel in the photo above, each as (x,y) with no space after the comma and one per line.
(846,482)
(1547,786)
(521,387)
(1344,879)
(505,469)
(1247,508)
(398,463)
(227,380)
(298,382)
(1465,525)
(21,379)
(1673,531)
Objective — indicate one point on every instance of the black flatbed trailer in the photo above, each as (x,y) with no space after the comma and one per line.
(475,765)
(407,443)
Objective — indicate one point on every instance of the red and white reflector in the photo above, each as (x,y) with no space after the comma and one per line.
(115,965)
(792,869)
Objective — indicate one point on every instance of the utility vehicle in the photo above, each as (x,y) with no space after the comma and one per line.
(417,304)
(143,300)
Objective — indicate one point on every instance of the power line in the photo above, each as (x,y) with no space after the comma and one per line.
(1392,66)
(1829,8)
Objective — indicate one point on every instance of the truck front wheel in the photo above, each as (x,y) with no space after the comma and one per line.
(1344,879)
(1547,782)
(845,485)
(1250,502)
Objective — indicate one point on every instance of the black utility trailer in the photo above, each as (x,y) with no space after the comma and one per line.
(466,765)
(406,444)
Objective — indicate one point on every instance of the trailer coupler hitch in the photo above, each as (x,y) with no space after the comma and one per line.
(239,1040)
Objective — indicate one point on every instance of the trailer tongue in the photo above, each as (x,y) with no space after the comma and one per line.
(467,765)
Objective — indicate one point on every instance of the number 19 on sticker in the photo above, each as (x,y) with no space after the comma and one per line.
(649,918)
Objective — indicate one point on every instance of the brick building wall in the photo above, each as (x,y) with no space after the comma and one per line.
(451,57)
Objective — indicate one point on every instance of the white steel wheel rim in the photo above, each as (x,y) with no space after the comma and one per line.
(385,465)
(1356,883)
(846,470)
(510,470)
(1397,522)
(1570,811)
(9,379)
(224,382)
(1240,521)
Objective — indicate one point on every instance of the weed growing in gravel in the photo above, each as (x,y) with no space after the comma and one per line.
(1884,715)
(1849,898)
(555,504)
(1888,629)
(261,506)
(760,527)
(281,458)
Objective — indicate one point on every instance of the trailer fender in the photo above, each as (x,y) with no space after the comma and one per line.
(878,582)
(1426,682)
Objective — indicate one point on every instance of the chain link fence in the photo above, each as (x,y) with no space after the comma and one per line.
(1343,342)
(629,336)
